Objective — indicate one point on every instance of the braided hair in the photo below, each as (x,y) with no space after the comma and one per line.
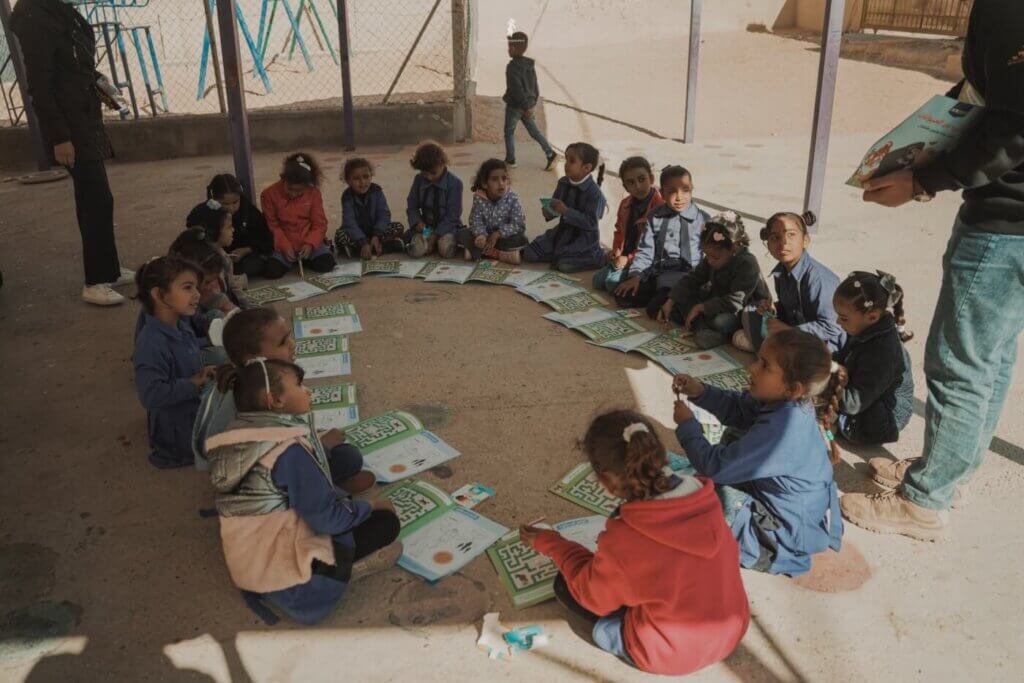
(806,360)
(624,443)
(876,291)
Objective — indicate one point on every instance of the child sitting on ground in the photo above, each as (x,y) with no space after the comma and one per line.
(289,537)
(434,205)
(521,96)
(252,242)
(783,459)
(366,228)
(803,285)
(294,209)
(196,243)
(263,333)
(879,396)
(668,248)
(663,591)
(169,372)
(709,300)
(497,224)
(641,199)
(575,243)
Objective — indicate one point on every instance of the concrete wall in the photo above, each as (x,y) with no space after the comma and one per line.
(182,136)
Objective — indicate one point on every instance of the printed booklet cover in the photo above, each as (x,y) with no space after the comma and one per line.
(395,446)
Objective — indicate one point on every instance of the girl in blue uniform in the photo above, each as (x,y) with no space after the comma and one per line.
(783,461)
(169,373)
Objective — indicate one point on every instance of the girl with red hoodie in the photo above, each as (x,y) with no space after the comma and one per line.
(638,179)
(294,209)
(663,589)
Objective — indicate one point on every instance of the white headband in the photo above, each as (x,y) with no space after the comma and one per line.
(266,375)
(631,430)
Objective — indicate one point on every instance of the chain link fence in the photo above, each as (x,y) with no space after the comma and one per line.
(164,54)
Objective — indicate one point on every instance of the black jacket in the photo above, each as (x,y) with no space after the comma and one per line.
(879,396)
(726,290)
(988,164)
(60,64)
(250,226)
(521,91)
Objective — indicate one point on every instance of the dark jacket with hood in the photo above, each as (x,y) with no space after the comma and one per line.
(250,226)
(60,63)
(521,91)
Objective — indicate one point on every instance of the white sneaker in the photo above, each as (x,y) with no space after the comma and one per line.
(101,295)
(127,277)
(742,342)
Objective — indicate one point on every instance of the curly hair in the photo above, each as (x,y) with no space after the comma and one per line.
(300,168)
(639,462)
(428,156)
(725,230)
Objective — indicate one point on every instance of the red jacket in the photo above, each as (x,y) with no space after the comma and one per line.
(619,239)
(674,564)
(294,222)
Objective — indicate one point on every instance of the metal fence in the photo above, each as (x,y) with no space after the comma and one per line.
(944,17)
(163,54)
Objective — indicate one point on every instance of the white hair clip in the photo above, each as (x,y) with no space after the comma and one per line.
(869,304)
(266,375)
(718,237)
(835,368)
(856,284)
(213,204)
(729,216)
(631,430)
(301,161)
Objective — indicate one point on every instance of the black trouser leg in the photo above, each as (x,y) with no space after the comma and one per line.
(94,206)
(378,531)
(563,596)
(322,263)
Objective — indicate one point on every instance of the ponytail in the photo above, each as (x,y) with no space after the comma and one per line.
(803,221)
(827,407)
(226,377)
(623,442)
(876,291)
(600,174)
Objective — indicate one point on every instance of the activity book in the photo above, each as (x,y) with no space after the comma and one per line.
(395,446)
(322,357)
(334,405)
(324,321)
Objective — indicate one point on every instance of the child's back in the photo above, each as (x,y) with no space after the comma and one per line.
(673,562)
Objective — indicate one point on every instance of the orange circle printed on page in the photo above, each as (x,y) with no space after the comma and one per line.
(705,356)
(443,557)
(397,468)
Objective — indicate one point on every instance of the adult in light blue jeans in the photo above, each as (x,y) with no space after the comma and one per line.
(972,344)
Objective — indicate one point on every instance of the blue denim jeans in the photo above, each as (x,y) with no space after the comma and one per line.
(607,279)
(512,119)
(969,359)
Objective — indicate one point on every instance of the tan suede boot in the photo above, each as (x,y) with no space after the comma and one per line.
(891,513)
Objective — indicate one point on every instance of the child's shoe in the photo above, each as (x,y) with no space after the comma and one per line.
(101,295)
(376,562)
(742,342)
(446,246)
(418,246)
(511,257)
(551,161)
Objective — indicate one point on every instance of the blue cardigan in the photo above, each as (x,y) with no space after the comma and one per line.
(365,215)
(577,233)
(805,300)
(165,358)
(438,205)
(782,462)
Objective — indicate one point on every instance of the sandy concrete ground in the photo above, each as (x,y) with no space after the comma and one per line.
(111,559)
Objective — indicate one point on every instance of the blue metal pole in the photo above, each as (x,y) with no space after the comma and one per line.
(692,72)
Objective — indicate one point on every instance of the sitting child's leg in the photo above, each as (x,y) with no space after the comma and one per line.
(658,297)
(345,245)
(564,596)
(420,246)
(392,240)
(347,469)
(716,331)
(250,264)
(579,262)
(321,260)
(535,252)
(446,245)
(465,239)
(607,635)
(378,531)
(277,266)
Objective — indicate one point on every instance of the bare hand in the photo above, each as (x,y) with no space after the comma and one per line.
(240,253)
(492,239)
(305,252)
(382,505)
(480,242)
(558,206)
(376,245)
(765,307)
(366,252)
(620,262)
(629,287)
(528,534)
(482,194)
(682,412)
(894,189)
(694,312)
(665,312)
(687,386)
(332,438)
(419,227)
(64,154)
(203,376)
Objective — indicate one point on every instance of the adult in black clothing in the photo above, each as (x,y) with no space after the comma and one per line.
(972,343)
(60,63)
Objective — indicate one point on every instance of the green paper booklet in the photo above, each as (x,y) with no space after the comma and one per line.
(733,380)
(549,286)
(383,266)
(576,301)
(327,320)
(322,357)
(427,269)
(580,318)
(328,282)
(407,269)
(488,272)
(395,446)
(450,272)
(334,405)
(438,536)
(581,486)
(264,295)
(529,576)
(300,290)
(621,334)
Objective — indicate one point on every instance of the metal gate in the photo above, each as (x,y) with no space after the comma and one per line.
(945,17)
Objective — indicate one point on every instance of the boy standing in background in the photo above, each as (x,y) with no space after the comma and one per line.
(521,95)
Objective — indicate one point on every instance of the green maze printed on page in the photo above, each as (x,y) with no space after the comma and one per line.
(613,328)
(383,430)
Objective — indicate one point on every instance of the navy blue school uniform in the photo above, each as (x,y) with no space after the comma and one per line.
(365,215)
(782,462)
(879,396)
(165,358)
(437,205)
(804,300)
(577,235)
